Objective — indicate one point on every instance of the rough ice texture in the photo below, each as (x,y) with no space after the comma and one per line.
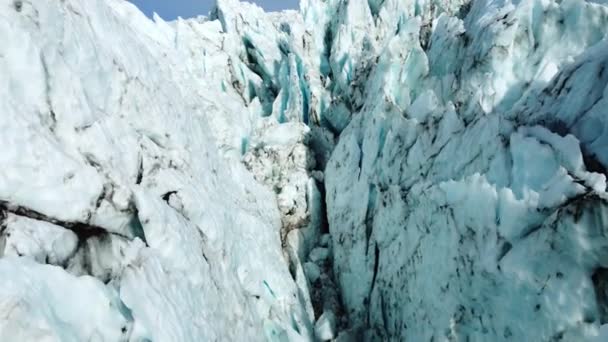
(363,169)
(117,165)
(467,197)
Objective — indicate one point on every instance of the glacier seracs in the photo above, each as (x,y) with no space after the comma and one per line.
(114,135)
(459,208)
(355,170)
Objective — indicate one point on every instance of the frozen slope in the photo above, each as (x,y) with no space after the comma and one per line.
(359,170)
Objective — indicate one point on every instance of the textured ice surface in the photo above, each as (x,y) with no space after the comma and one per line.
(44,303)
(118,165)
(357,170)
(465,198)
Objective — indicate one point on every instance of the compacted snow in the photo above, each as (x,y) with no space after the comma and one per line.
(356,170)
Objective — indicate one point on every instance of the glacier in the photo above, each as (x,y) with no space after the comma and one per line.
(355,170)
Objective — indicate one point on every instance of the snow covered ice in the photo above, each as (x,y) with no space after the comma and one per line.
(354,170)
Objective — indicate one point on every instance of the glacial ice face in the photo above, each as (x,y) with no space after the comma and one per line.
(376,170)
(120,182)
(467,197)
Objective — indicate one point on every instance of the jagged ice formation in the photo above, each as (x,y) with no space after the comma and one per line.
(356,170)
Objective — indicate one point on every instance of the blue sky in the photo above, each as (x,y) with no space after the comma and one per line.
(171,9)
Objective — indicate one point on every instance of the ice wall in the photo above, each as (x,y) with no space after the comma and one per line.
(125,214)
(467,196)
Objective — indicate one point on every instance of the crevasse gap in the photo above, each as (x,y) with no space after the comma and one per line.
(355,170)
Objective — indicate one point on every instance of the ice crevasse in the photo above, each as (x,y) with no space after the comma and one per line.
(418,170)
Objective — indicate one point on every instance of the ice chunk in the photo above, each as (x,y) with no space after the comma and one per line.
(319,255)
(312,271)
(42,241)
(44,302)
(325,328)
